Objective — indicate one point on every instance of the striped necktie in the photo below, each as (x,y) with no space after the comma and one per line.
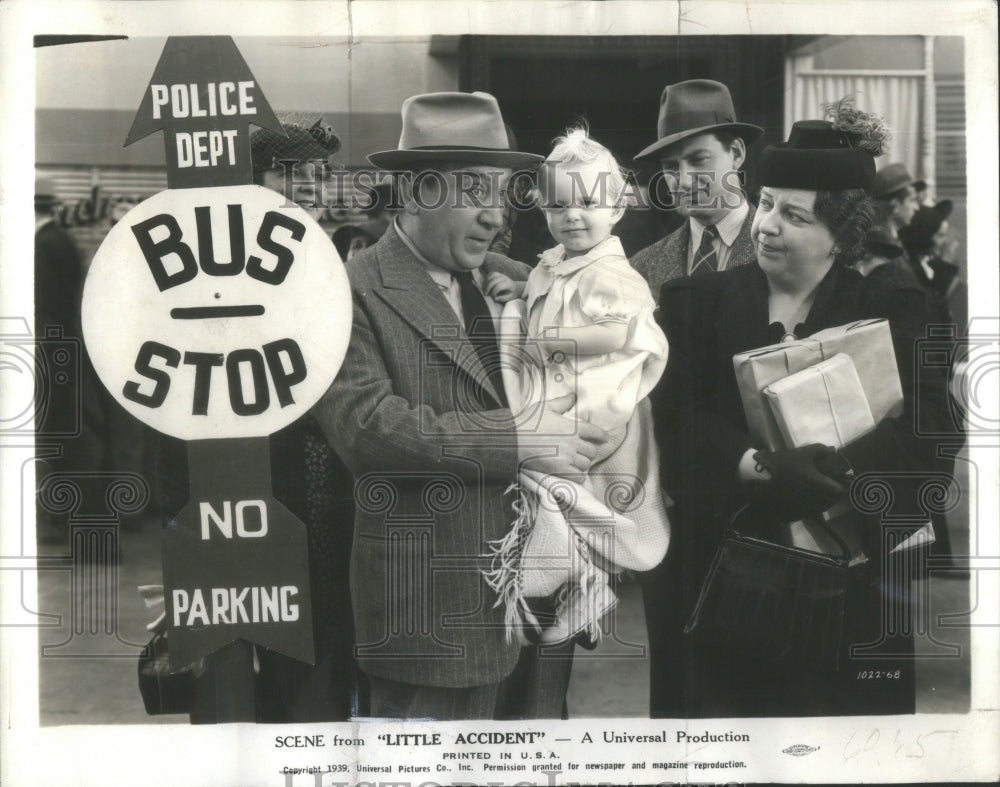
(480,329)
(705,259)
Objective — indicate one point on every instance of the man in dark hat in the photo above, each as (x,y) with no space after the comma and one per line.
(929,249)
(895,192)
(891,258)
(58,285)
(701,147)
(911,226)
(58,272)
(419,415)
(899,254)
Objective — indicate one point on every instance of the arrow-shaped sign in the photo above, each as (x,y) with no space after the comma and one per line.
(235,560)
(204,98)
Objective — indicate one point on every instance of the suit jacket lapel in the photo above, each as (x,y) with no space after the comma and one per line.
(409,291)
(675,252)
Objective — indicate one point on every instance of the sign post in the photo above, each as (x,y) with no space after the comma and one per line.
(218,312)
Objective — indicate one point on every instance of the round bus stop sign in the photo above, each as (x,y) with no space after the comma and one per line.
(220,312)
(219,316)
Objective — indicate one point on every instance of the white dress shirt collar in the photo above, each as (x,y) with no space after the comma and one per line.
(729,227)
(444,280)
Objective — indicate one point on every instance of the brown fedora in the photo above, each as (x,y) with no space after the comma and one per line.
(464,127)
(892,178)
(696,107)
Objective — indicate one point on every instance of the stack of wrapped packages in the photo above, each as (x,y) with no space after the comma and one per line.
(830,388)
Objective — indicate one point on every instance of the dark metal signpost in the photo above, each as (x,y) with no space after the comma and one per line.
(218,312)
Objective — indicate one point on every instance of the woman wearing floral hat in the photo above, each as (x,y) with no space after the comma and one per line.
(810,226)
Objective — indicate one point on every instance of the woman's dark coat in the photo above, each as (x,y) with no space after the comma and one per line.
(703,433)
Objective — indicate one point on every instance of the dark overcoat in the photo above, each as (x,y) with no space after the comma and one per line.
(703,433)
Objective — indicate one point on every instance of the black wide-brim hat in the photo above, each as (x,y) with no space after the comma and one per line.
(926,222)
(816,157)
(697,106)
(462,128)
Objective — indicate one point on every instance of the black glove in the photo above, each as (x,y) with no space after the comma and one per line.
(836,466)
(798,486)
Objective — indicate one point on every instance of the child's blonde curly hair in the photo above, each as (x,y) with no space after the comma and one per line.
(576,146)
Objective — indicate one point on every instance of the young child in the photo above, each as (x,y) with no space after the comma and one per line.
(584,325)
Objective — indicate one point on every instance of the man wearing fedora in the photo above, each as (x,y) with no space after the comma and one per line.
(904,220)
(419,415)
(912,228)
(895,192)
(58,284)
(700,149)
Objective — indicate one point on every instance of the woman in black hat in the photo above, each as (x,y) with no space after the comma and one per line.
(310,480)
(813,215)
(930,249)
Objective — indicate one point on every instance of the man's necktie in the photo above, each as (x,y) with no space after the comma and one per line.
(480,329)
(705,259)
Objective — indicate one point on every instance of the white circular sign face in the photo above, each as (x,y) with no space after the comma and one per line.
(217,312)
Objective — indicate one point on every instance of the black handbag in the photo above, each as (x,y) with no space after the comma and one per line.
(163,689)
(773,602)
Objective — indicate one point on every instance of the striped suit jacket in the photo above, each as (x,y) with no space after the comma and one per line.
(414,416)
(668,258)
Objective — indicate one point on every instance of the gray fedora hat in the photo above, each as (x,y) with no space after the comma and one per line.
(697,106)
(892,178)
(461,127)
